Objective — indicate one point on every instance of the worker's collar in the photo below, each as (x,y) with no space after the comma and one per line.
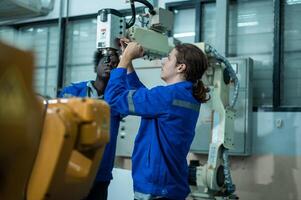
(92,92)
(186,84)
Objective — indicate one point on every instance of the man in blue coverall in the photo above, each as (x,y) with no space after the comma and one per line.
(168,118)
(95,89)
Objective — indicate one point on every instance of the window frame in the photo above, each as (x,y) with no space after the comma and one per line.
(278,74)
(19,26)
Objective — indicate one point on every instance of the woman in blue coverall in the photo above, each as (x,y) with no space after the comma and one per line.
(168,118)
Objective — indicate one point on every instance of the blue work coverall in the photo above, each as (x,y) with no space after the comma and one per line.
(105,170)
(168,118)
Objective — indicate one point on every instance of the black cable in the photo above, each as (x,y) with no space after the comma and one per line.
(147,4)
(133,19)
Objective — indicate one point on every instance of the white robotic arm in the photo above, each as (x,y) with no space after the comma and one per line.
(214,179)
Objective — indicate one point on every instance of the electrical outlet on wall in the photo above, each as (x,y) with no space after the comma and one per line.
(279,123)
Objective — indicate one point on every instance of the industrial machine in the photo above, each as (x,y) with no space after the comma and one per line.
(20,121)
(112,25)
(214,178)
(73,139)
(49,149)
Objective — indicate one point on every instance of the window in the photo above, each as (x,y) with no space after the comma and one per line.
(43,40)
(251,35)
(208,16)
(291,88)
(184,24)
(80,48)
(7,35)
(250,22)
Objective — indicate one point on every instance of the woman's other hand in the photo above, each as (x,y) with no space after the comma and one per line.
(133,50)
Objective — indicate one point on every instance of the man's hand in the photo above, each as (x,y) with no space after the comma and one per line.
(123,43)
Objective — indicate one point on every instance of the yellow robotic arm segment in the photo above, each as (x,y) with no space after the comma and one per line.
(73,140)
(20,121)
(57,161)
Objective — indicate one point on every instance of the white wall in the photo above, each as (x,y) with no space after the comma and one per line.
(80,7)
(122,183)
(163,2)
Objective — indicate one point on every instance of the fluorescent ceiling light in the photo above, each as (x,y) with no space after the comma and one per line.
(186,34)
(84,34)
(40,30)
(242,24)
(247,16)
(292,2)
(75,32)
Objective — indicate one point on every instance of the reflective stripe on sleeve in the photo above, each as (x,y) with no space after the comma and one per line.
(186,104)
(130,101)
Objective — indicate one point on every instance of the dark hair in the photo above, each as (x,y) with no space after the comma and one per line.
(196,64)
(97,57)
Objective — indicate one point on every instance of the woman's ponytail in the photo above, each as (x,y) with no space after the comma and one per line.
(196,64)
(200,92)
